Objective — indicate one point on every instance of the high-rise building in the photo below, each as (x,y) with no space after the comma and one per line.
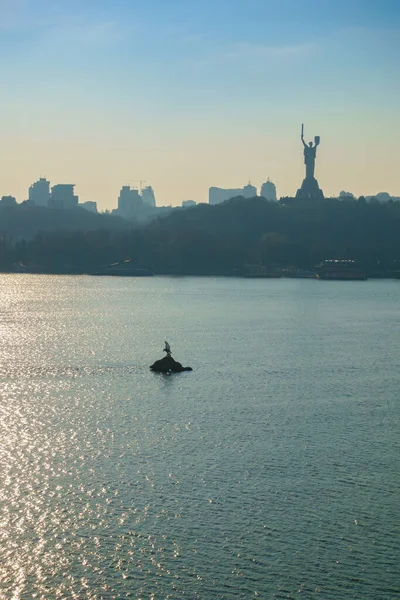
(148,197)
(39,192)
(188,203)
(62,196)
(124,200)
(129,202)
(268,190)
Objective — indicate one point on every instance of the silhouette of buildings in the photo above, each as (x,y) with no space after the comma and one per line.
(249,191)
(217,195)
(129,202)
(62,196)
(39,192)
(268,191)
(135,204)
(188,203)
(148,197)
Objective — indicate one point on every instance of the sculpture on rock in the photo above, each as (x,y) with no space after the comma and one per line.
(310,188)
(168,364)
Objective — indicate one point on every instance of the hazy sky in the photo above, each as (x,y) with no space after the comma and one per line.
(192,93)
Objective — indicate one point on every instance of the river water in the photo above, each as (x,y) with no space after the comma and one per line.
(270,471)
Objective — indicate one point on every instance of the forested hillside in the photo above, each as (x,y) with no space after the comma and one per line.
(218,239)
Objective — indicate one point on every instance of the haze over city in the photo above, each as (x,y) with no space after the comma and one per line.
(191,95)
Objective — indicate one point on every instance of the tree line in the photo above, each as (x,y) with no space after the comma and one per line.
(219,239)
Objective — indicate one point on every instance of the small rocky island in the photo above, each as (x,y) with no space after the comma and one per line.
(168,364)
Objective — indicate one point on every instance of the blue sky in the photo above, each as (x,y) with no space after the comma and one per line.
(190,94)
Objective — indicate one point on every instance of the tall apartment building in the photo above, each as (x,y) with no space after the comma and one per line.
(39,192)
(62,196)
(129,202)
(148,196)
(268,190)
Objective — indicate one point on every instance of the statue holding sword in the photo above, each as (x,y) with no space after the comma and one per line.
(310,189)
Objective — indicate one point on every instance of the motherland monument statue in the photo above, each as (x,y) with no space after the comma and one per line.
(309,188)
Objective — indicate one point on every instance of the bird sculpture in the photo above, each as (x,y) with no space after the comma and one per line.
(168,364)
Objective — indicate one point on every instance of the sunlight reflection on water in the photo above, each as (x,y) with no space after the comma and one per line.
(271,470)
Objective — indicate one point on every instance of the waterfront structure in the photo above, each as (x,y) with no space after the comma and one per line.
(310,189)
(217,195)
(341,269)
(39,192)
(268,191)
(62,196)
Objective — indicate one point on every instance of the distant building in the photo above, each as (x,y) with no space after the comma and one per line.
(249,191)
(62,196)
(148,197)
(268,191)
(8,201)
(129,202)
(188,203)
(90,206)
(39,192)
(218,195)
(124,199)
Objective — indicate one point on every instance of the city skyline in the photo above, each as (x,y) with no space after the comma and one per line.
(198,96)
(41,191)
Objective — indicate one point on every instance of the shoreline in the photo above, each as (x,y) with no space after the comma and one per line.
(136,273)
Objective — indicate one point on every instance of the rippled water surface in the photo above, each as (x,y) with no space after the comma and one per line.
(270,471)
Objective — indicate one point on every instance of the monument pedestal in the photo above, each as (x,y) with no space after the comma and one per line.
(310,190)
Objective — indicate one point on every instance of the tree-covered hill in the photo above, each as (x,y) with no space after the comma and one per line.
(286,233)
(219,239)
(25,221)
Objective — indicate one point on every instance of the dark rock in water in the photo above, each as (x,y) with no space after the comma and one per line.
(168,364)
